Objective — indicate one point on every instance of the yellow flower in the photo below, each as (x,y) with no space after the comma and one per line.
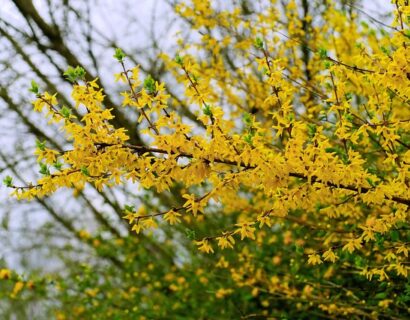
(149,223)
(92,292)
(222,263)
(204,246)
(172,217)
(246,230)
(329,255)
(49,155)
(385,303)
(352,245)
(314,259)
(18,286)
(222,293)
(192,204)
(226,241)
(5,274)
(403,249)
(130,216)
(38,105)
(264,219)
(84,234)
(137,227)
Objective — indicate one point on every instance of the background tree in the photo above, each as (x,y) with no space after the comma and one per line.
(284,138)
(38,42)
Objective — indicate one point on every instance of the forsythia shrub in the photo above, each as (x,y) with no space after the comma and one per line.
(290,187)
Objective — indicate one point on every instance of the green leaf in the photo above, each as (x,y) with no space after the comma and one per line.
(371,182)
(130,208)
(391,94)
(328,64)
(119,55)
(179,59)
(291,116)
(379,239)
(331,150)
(294,267)
(359,262)
(248,138)
(311,129)
(348,96)
(84,171)
(8,181)
(394,235)
(207,110)
(34,87)
(74,74)
(41,145)
(348,117)
(259,43)
(247,118)
(364,24)
(190,234)
(385,50)
(58,165)
(194,77)
(299,250)
(70,74)
(322,53)
(149,84)
(380,295)
(80,72)
(319,206)
(44,170)
(66,112)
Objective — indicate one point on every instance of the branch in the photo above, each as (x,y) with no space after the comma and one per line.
(313,179)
